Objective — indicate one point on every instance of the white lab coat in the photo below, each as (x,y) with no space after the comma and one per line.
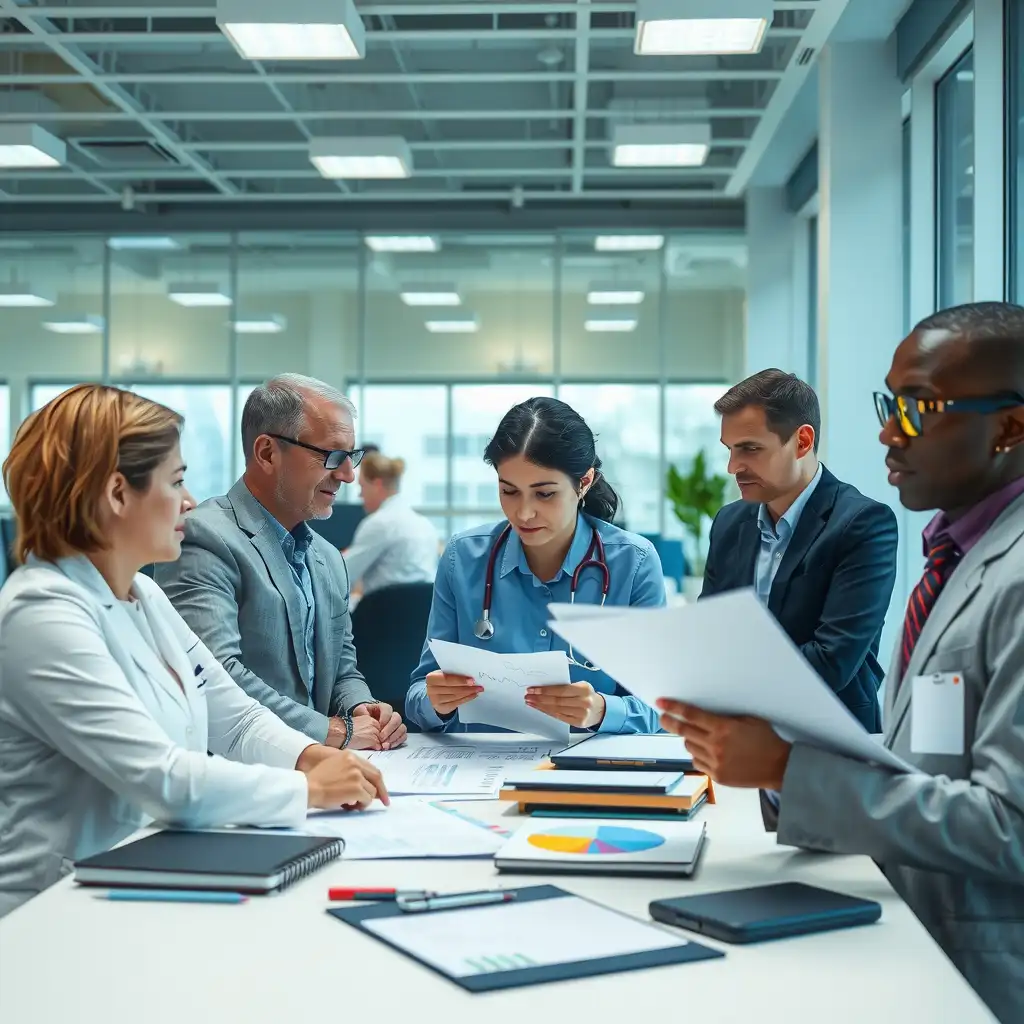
(393,545)
(97,738)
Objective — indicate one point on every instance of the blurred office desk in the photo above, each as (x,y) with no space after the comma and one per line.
(70,956)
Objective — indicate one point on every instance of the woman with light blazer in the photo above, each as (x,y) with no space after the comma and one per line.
(108,702)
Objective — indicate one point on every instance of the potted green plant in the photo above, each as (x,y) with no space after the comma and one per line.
(695,497)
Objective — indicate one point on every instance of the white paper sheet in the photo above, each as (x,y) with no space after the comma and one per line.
(457,766)
(614,780)
(505,678)
(726,655)
(538,933)
(410,827)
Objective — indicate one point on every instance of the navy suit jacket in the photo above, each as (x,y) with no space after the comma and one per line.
(832,589)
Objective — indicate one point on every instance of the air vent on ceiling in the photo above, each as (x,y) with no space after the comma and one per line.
(806,56)
(127,153)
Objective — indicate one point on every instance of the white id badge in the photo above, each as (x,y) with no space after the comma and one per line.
(937,714)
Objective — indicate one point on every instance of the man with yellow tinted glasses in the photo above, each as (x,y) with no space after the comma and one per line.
(950,834)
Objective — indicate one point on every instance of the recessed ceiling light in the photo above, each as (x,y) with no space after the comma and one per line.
(614,293)
(699,27)
(628,243)
(268,324)
(606,326)
(144,243)
(402,243)
(293,30)
(75,325)
(29,146)
(660,145)
(22,295)
(197,293)
(454,325)
(386,156)
(431,295)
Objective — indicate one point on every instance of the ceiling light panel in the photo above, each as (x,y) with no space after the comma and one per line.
(402,243)
(628,243)
(431,295)
(197,294)
(293,29)
(75,325)
(701,27)
(609,325)
(615,293)
(386,156)
(468,324)
(143,243)
(660,145)
(21,295)
(29,146)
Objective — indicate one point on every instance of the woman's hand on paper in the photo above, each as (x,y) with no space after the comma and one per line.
(736,751)
(578,704)
(447,693)
(343,779)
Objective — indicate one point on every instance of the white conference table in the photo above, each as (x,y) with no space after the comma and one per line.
(72,957)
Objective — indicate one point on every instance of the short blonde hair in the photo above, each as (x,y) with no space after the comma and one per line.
(65,453)
(377,466)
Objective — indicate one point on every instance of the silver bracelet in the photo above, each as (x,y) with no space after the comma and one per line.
(347,719)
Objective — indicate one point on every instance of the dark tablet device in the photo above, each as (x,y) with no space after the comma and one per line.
(766,912)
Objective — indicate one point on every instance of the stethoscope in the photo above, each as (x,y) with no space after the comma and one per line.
(484,628)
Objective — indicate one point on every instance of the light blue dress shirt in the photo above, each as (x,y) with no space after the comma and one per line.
(776,537)
(295,544)
(519,610)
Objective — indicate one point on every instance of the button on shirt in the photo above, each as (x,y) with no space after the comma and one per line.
(519,610)
(295,545)
(775,539)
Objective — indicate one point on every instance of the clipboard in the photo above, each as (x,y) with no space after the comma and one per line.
(501,966)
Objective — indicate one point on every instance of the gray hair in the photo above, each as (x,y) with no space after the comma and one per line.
(279,407)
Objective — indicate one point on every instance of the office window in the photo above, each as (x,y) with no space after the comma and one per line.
(691,424)
(485,494)
(812,302)
(477,410)
(1015,147)
(406,420)
(954,110)
(625,418)
(40,394)
(906,199)
(5,433)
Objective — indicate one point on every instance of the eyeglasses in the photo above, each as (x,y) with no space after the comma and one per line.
(333,459)
(908,411)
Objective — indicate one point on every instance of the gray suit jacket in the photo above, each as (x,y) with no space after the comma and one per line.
(233,586)
(951,839)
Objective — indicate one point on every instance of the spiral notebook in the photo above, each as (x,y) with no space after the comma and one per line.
(249,862)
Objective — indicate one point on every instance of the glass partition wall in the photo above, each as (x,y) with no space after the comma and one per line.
(433,337)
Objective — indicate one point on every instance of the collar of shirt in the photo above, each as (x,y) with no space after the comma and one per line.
(787,524)
(974,524)
(514,556)
(295,542)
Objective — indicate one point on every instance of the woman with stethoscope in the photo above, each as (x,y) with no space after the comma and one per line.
(495,583)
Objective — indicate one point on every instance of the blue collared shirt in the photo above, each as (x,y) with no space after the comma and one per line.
(776,537)
(295,544)
(520,610)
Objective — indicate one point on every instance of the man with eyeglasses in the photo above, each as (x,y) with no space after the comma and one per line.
(950,835)
(267,595)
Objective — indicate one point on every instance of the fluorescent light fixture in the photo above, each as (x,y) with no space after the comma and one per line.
(431,295)
(402,243)
(384,156)
(701,27)
(75,325)
(660,145)
(610,326)
(615,293)
(293,29)
(197,293)
(21,295)
(270,323)
(143,243)
(468,324)
(29,146)
(628,243)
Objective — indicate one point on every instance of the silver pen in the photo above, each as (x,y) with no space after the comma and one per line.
(468,899)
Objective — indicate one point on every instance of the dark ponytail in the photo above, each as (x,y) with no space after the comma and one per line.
(549,433)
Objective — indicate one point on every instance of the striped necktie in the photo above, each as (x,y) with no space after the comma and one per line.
(943,558)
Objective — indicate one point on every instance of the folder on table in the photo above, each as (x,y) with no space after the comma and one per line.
(633,752)
(545,934)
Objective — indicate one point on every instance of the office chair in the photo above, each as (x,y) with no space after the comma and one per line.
(388,629)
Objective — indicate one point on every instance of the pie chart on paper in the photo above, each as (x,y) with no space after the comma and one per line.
(599,840)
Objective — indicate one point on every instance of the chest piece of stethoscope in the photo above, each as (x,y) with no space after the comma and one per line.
(484,628)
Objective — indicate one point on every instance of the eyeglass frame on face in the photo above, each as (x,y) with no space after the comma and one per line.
(356,454)
(907,412)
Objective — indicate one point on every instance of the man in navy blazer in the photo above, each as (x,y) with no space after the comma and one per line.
(820,555)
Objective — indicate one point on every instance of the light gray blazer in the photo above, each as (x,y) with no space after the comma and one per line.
(235,589)
(97,738)
(951,840)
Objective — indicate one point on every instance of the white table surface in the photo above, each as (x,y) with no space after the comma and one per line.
(71,957)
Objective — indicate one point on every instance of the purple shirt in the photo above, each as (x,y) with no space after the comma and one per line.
(971,527)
